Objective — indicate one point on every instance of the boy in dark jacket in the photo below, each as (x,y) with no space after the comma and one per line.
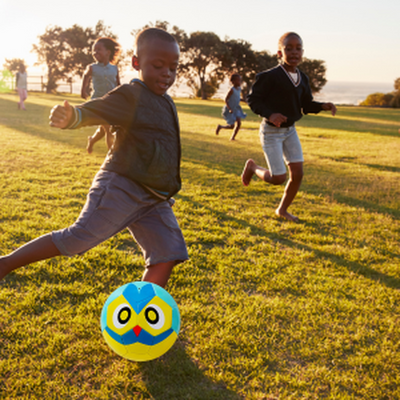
(140,174)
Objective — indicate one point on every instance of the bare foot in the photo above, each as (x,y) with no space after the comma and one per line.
(218,129)
(286,215)
(248,172)
(90,144)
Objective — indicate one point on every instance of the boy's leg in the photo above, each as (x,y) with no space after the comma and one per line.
(237,127)
(251,168)
(38,249)
(161,240)
(24,96)
(109,136)
(219,127)
(291,189)
(159,273)
(100,132)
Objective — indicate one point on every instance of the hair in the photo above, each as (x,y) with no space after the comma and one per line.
(22,68)
(282,39)
(147,34)
(233,76)
(112,45)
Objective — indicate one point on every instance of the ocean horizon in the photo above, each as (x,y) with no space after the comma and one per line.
(339,92)
(351,93)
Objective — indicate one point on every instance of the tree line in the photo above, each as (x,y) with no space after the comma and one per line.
(206,60)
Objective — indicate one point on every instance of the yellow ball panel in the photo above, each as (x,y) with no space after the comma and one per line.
(161,348)
(143,352)
(166,309)
(119,348)
(110,313)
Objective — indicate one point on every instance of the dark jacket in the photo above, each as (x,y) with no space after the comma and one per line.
(275,92)
(147,146)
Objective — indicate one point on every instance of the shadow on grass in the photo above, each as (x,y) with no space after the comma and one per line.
(176,376)
(210,108)
(387,168)
(355,267)
(350,125)
(35,121)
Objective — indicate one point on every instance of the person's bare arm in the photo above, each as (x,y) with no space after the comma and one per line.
(87,76)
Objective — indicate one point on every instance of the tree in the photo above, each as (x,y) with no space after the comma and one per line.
(11,67)
(201,61)
(177,33)
(66,53)
(397,85)
(79,44)
(240,58)
(14,64)
(52,51)
(315,70)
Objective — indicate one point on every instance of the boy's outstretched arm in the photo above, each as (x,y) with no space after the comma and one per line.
(329,106)
(60,116)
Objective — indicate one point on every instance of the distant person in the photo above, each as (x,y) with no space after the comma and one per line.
(140,174)
(21,84)
(232,112)
(105,77)
(281,96)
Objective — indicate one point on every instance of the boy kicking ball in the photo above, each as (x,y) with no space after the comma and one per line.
(140,174)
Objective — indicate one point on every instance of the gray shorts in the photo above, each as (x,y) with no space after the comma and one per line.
(280,145)
(115,203)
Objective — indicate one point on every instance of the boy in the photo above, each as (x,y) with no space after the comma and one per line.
(140,174)
(281,95)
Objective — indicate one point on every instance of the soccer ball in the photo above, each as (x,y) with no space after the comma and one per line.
(140,321)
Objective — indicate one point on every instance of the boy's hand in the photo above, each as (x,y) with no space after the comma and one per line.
(277,119)
(61,115)
(329,106)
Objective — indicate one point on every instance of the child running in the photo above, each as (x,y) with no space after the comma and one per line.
(105,77)
(232,112)
(281,95)
(22,85)
(140,174)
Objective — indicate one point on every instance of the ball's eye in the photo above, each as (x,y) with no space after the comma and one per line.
(122,315)
(154,316)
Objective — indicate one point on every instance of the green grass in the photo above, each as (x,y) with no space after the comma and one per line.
(269,309)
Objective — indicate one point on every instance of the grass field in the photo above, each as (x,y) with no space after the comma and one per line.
(269,309)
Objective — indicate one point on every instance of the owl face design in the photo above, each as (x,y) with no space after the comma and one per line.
(140,321)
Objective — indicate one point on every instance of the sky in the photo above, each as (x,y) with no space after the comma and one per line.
(359,40)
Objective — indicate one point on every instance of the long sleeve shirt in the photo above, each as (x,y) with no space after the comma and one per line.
(147,145)
(274,91)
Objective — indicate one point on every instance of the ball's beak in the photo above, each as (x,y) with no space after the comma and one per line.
(137,329)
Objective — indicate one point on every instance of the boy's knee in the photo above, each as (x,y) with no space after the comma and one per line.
(278,179)
(71,242)
(297,176)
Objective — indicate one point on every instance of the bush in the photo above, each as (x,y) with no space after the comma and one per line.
(379,100)
(6,81)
